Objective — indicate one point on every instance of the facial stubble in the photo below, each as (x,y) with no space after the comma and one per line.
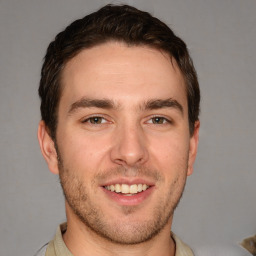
(119,232)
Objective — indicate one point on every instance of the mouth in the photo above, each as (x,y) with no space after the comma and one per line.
(127,190)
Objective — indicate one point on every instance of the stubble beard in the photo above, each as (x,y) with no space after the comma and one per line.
(119,232)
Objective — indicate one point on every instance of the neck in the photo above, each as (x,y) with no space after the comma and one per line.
(82,241)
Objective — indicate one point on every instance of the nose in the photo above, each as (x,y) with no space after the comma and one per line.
(130,147)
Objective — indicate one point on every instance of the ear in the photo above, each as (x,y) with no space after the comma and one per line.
(47,148)
(193,145)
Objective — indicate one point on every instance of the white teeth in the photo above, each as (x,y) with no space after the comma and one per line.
(133,189)
(126,189)
(117,188)
(139,187)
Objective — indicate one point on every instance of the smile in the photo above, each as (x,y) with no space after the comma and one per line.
(127,190)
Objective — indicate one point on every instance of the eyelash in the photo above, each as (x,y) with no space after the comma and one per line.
(87,120)
(165,120)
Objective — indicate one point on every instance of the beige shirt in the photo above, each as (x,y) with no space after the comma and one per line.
(57,246)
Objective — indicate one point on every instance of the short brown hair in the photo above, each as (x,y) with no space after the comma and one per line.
(112,23)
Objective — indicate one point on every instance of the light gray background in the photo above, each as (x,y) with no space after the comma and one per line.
(218,208)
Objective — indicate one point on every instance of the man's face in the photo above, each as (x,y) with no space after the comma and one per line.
(123,140)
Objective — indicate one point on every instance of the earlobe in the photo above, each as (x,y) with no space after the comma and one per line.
(193,145)
(47,148)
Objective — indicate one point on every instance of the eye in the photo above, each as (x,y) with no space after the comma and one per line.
(159,120)
(95,120)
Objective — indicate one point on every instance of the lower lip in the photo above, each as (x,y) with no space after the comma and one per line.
(129,200)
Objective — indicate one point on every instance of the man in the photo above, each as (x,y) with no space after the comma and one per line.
(120,104)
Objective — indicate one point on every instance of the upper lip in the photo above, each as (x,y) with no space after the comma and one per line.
(128,181)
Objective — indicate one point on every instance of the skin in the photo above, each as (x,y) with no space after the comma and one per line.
(131,141)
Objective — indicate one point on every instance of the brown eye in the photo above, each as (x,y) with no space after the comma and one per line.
(158,120)
(95,120)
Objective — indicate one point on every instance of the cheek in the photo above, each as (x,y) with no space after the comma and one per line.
(82,151)
(170,150)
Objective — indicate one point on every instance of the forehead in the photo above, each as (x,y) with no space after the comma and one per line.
(122,73)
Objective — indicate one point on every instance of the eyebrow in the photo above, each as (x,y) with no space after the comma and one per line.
(90,103)
(159,103)
(110,104)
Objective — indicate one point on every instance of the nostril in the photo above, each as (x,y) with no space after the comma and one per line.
(120,161)
(129,161)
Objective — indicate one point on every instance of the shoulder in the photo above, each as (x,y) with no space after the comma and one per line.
(182,249)
(41,251)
